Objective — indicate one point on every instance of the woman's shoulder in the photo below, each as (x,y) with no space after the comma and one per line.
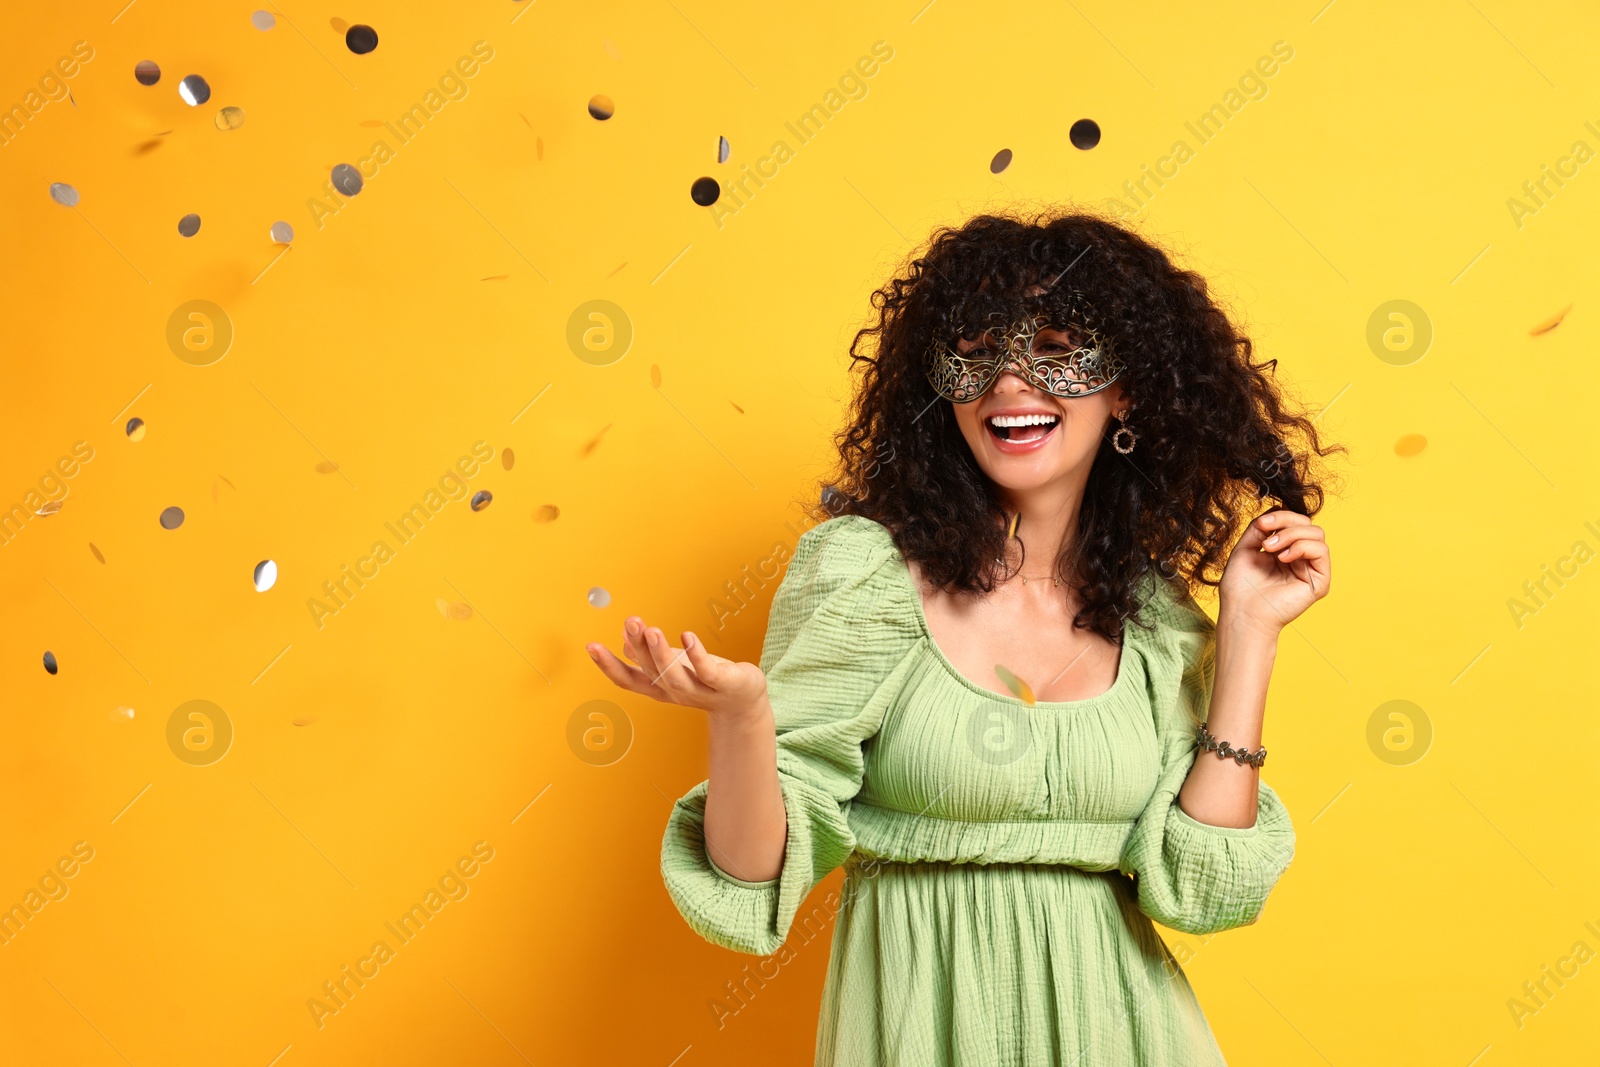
(845,538)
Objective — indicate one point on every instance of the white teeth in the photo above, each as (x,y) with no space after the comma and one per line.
(1022,420)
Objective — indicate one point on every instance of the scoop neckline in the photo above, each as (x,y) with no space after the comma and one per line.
(1121,681)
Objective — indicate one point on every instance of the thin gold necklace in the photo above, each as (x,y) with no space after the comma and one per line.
(1037,577)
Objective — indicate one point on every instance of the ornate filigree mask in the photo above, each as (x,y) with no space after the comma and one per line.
(1081,364)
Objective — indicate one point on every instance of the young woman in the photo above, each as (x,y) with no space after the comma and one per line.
(986,689)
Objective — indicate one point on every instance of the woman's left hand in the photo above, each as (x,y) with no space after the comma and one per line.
(1279,568)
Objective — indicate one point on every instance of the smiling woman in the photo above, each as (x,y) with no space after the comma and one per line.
(1010,770)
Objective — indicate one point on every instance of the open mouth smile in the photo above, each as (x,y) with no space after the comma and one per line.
(1021,433)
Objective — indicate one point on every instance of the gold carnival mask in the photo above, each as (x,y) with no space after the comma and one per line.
(1082,365)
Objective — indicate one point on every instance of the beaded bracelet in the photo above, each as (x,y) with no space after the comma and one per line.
(1224,750)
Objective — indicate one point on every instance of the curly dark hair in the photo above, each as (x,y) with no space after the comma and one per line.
(1216,436)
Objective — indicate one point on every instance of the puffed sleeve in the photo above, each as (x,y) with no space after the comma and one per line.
(1193,876)
(837,642)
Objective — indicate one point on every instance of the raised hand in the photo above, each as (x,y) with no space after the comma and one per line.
(689,676)
(1278,569)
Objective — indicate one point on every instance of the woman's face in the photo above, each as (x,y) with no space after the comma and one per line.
(1062,434)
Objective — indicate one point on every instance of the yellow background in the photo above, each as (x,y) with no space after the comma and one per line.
(1377,167)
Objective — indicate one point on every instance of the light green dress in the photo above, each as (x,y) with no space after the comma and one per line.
(1003,861)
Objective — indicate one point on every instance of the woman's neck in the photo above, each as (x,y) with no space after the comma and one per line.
(1046,519)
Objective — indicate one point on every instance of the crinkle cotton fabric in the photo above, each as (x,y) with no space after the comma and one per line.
(1003,861)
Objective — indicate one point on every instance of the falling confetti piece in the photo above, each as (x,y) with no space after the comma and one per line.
(1410,445)
(327,466)
(96,552)
(347,180)
(135,429)
(122,713)
(655,376)
(1085,134)
(50,662)
(194,90)
(282,233)
(304,720)
(459,611)
(339,25)
(599,598)
(63,194)
(546,513)
(507,458)
(495,278)
(265,575)
(601,107)
(50,507)
(737,408)
(225,481)
(1001,160)
(189,225)
(614,273)
(594,442)
(480,499)
(171,518)
(230,118)
(1021,689)
(1551,323)
(538,143)
(724,150)
(146,72)
(705,191)
(262,20)
(361,39)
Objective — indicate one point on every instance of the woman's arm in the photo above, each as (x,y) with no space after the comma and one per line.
(746,826)
(1279,568)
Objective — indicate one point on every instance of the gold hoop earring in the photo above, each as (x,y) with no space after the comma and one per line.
(1117,438)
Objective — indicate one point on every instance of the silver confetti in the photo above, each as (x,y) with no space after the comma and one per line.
(599,598)
(266,575)
(146,72)
(63,194)
(50,662)
(172,518)
(282,232)
(480,499)
(135,429)
(723,150)
(189,225)
(194,90)
(263,20)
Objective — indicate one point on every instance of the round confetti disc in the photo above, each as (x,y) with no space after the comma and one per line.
(194,90)
(135,429)
(63,194)
(1411,444)
(724,150)
(1085,134)
(172,518)
(601,107)
(262,20)
(507,458)
(265,575)
(282,232)
(1001,160)
(480,499)
(347,180)
(547,513)
(189,225)
(705,191)
(50,662)
(146,72)
(361,39)
(230,118)
(599,598)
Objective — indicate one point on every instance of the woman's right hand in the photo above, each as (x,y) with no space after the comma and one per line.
(689,676)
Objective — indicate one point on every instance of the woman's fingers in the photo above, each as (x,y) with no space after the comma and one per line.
(625,676)
(1279,540)
(707,667)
